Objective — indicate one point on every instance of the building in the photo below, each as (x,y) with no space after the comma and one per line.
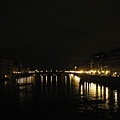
(97,63)
(114,61)
(6,67)
(19,68)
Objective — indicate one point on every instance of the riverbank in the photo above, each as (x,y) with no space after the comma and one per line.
(104,80)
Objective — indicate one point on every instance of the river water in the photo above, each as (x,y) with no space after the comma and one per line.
(57,97)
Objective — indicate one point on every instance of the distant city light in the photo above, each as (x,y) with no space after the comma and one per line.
(75,67)
(36,70)
(5,76)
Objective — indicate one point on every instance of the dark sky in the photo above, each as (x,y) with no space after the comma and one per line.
(57,34)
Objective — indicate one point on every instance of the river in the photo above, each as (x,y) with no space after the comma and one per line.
(57,97)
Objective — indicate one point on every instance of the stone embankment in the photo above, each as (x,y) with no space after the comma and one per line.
(103,80)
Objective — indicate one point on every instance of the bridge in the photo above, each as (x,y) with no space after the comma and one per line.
(103,80)
(37,73)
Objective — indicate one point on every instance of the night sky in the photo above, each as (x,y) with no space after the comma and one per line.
(52,34)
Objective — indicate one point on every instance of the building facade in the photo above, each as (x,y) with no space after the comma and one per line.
(6,67)
(114,61)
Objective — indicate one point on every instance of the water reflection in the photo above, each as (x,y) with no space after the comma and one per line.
(56,94)
(98,96)
(24,80)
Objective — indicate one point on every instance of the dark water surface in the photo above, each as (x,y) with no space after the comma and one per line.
(57,97)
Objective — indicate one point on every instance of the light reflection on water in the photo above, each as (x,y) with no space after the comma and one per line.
(93,91)
(67,94)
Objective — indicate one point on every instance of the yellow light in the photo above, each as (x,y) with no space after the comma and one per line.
(93,71)
(115,73)
(99,72)
(81,71)
(5,76)
(71,75)
(75,67)
(77,78)
(107,72)
(103,71)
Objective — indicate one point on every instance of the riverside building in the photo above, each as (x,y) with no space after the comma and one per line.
(6,67)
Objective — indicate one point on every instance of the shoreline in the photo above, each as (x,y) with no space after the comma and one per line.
(103,80)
